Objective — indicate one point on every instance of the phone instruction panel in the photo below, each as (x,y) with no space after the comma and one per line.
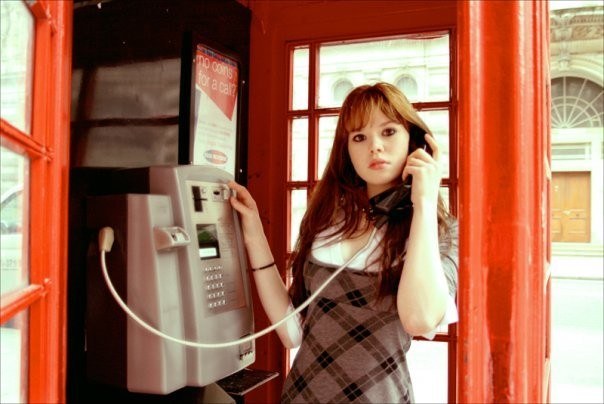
(210,210)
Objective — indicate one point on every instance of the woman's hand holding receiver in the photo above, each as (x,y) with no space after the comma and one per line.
(427,174)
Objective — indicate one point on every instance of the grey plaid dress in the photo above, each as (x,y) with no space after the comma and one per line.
(356,350)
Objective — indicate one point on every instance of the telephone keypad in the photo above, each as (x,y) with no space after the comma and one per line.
(215,286)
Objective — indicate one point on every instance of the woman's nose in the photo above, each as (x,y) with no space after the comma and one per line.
(376,145)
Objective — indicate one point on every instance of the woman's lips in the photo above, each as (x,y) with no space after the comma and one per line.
(378,164)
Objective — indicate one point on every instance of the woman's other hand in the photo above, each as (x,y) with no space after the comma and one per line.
(427,174)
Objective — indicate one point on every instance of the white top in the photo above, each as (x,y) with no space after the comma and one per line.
(328,251)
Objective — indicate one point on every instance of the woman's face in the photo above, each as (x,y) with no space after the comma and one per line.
(378,152)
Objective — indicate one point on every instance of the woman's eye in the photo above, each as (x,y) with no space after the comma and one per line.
(358,137)
(389,131)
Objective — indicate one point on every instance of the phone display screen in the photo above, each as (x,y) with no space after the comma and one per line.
(207,239)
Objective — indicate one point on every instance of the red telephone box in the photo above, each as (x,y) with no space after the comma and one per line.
(498,187)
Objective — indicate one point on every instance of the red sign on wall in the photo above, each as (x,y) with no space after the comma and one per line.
(217,76)
(216,93)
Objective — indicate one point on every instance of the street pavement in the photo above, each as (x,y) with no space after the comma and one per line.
(577,343)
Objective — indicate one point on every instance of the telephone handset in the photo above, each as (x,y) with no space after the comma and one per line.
(396,201)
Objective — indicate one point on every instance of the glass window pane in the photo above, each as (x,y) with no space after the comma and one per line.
(327,131)
(571,151)
(299,151)
(577,103)
(300,80)
(14,336)
(14,213)
(438,122)
(428,365)
(298,208)
(444,193)
(418,64)
(16,63)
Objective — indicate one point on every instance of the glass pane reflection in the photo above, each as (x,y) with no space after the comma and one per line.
(14,337)
(327,131)
(299,151)
(14,213)
(428,365)
(300,79)
(16,64)
(298,208)
(418,65)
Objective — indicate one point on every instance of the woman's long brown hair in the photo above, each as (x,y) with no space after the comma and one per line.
(340,198)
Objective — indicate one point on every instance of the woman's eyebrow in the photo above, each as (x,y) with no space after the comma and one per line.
(388,122)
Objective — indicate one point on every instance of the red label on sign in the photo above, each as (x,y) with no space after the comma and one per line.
(217,76)
(215,156)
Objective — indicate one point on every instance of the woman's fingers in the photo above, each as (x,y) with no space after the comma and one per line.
(242,199)
(416,161)
(244,204)
(422,167)
(433,145)
(242,194)
(237,205)
(239,189)
(423,154)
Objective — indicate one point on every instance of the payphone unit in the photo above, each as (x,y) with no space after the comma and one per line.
(178,261)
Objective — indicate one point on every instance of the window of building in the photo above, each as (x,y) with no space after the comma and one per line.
(341,90)
(408,85)
(316,94)
(571,151)
(577,103)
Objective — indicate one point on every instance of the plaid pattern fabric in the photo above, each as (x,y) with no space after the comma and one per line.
(353,349)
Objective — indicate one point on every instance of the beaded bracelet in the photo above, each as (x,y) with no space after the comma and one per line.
(264,267)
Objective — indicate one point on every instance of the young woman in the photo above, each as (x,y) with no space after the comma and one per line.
(354,336)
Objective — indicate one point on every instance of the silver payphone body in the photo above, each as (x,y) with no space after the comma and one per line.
(179,263)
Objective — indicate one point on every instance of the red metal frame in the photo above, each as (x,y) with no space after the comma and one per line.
(274,26)
(19,141)
(488,366)
(47,148)
(505,253)
(17,301)
(313,113)
(503,221)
